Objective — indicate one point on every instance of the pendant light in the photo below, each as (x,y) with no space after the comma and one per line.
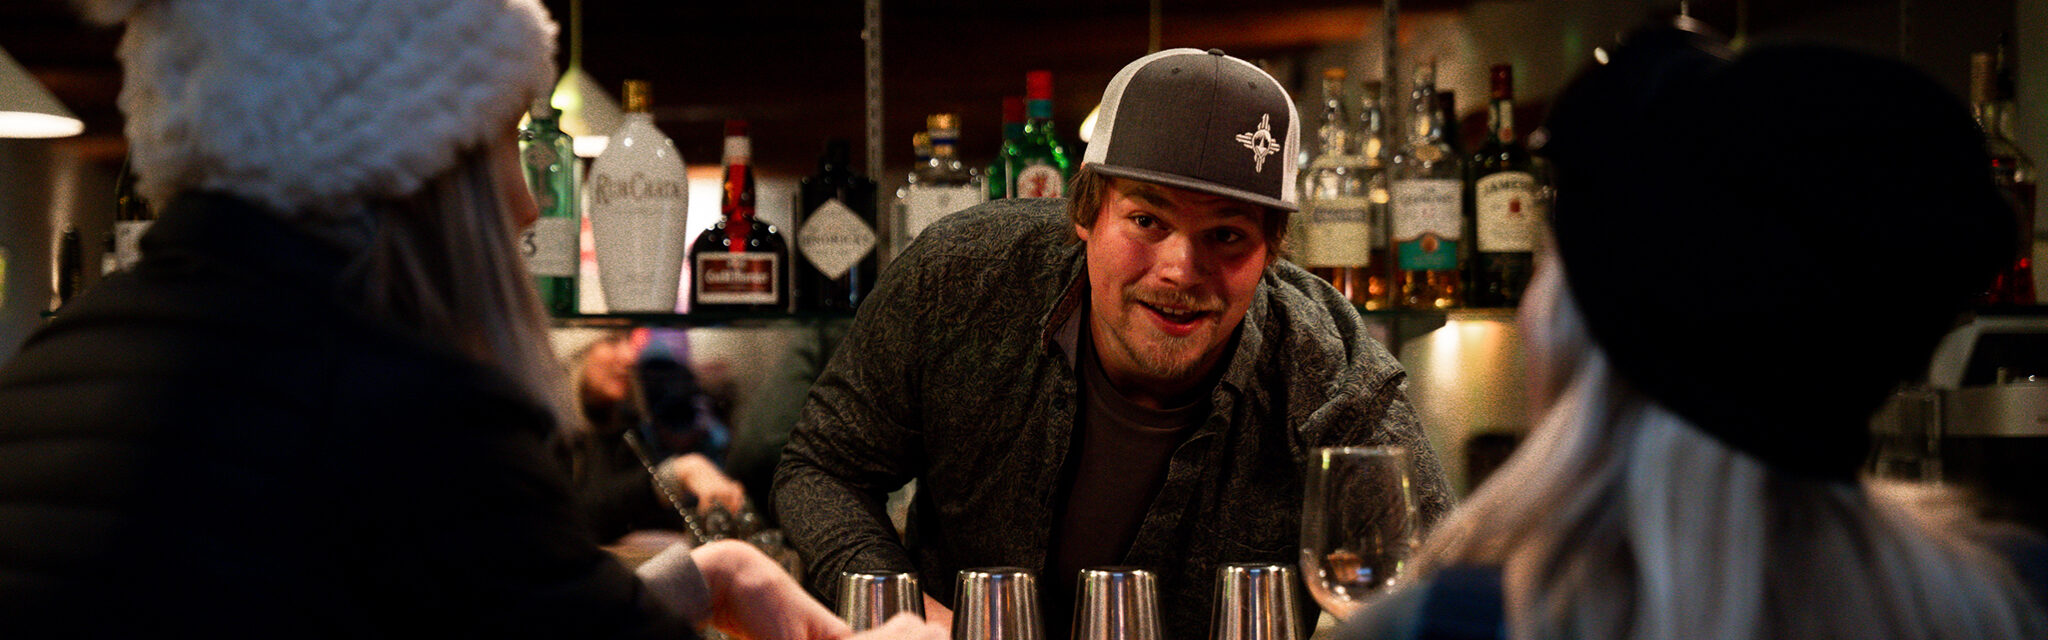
(27,109)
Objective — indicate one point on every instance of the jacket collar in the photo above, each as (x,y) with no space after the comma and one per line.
(218,228)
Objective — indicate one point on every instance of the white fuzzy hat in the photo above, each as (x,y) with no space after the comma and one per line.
(307,105)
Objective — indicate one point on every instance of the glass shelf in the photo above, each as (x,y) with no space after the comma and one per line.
(698,319)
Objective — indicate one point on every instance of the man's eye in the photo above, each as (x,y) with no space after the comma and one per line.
(1228,236)
(1144,221)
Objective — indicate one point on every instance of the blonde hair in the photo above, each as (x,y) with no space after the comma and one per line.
(443,263)
(1617,519)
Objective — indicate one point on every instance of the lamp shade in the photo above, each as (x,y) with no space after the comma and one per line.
(589,115)
(27,110)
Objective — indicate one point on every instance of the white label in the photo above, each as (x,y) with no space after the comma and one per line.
(128,242)
(1427,206)
(1506,204)
(550,247)
(834,238)
(925,204)
(724,277)
(1040,181)
(1337,232)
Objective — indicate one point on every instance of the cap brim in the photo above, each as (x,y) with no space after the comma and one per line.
(1191,184)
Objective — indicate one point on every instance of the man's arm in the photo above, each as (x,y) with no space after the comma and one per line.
(857,437)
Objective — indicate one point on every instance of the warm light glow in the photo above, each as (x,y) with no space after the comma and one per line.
(20,124)
(589,114)
(1600,55)
(590,146)
(1088,124)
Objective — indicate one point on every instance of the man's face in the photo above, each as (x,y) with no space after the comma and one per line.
(1171,273)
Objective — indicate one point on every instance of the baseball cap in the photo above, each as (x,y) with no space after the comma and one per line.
(1201,121)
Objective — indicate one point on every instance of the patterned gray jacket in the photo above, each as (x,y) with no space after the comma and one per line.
(953,375)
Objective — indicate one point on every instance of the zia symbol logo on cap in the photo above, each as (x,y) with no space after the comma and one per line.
(1261,143)
(1184,118)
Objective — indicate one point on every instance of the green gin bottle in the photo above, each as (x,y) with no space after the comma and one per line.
(550,245)
(1040,166)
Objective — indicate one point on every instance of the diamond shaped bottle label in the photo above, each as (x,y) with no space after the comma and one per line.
(834,239)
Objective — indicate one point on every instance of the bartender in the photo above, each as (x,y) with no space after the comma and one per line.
(1126,377)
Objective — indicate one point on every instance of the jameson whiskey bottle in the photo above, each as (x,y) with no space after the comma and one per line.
(639,200)
(132,217)
(1427,207)
(835,238)
(1375,150)
(550,245)
(741,263)
(1503,204)
(1013,130)
(1039,166)
(2014,174)
(1336,201)
(944,184)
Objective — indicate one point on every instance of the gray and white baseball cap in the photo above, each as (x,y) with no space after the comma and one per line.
(1200,121)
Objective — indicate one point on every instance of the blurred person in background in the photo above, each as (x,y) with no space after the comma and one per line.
(613,487)
(1750,253)
(319,405)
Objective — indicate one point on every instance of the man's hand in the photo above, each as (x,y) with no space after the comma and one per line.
(697,475)
(938,614)
(752,598)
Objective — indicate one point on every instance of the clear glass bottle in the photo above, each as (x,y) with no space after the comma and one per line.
(1376,150)
(836,245)
(639,204)
(1505,212)
(944,184)
(740,263)
(1427,204)
(1335,217)
(550,245)
(998,176)
(132,217)
(2013,171)
(898,236)
(1039,166)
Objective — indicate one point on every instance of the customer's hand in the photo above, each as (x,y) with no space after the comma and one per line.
(904,626)
(752,598)
(699,476)
(938,614)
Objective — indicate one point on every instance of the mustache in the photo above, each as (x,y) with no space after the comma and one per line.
(1175,299)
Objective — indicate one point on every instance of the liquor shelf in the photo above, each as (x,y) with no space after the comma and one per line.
(742,319)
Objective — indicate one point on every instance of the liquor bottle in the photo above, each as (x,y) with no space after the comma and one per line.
(1427,207)
(998,175)
(835,235)
(740,263)
(70,265)
(2013,171)
(898,236)
(1503,206)
(944,184)
(639,203)
(1039,166)
(132,217)
(1375,148)
(1336,240)
(550,245)
(1447,113)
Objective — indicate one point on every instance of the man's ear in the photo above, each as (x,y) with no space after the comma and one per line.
(1081,232)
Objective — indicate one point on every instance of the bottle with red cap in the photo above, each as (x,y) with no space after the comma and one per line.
(1038,166)
(740,263)
(998,174)
(1504,207)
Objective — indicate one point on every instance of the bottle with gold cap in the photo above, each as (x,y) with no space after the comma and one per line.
(639,203)
(944,184)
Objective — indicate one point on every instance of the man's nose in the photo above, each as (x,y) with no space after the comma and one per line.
(1178,259)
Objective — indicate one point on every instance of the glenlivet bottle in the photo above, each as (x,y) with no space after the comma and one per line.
(740,263)
(835,236)
(1427,207)
(1504,205)
(1336,205)
(550,245)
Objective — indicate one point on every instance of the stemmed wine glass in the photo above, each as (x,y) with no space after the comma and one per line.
(1358,523)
